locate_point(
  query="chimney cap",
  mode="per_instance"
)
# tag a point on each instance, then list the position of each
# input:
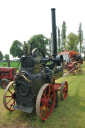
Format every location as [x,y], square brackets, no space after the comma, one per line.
[53,9]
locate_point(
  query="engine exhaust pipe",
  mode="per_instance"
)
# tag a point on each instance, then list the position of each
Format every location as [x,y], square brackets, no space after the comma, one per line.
[54,43]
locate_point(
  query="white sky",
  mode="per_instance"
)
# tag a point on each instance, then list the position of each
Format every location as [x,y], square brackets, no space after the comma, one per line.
[21,19]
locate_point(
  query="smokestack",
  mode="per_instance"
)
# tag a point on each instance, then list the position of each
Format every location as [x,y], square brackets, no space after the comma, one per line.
[54,33]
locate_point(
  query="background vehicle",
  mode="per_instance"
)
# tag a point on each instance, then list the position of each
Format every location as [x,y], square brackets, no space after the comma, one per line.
[6,74]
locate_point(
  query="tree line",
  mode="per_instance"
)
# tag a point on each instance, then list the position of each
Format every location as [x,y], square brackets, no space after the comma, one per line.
[69,42]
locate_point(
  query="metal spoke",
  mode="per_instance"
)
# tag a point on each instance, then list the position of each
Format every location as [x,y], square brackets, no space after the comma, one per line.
[9,101]
[10,91]
[8,96]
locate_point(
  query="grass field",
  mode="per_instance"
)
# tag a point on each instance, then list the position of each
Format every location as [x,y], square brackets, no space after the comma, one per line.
[69,113]
[12,64]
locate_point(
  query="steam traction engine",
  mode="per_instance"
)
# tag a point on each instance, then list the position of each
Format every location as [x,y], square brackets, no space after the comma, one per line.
[34,87]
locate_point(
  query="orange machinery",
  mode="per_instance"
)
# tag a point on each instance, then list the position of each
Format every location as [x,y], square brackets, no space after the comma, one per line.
[71,60]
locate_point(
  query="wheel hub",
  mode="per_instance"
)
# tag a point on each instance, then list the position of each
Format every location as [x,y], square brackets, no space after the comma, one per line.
[4,84]
[13,96]
[46,101]
[50,101]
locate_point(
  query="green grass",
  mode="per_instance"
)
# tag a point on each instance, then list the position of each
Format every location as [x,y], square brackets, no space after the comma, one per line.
[69,113]
[12,64]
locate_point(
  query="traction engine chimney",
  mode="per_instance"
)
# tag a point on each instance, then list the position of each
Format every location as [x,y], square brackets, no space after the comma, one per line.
[54,33]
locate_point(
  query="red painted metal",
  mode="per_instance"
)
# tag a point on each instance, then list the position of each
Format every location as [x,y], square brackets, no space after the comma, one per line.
[72,61]
[4,84]
[64,90]
[8,73]
[57,86]
[47,102]
[70,53]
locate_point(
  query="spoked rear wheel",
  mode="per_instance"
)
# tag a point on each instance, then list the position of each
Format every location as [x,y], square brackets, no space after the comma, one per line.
[45,101]
[64,90]
[9,97]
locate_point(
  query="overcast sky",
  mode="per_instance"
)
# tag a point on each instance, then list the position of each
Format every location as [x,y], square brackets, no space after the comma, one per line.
[21,19]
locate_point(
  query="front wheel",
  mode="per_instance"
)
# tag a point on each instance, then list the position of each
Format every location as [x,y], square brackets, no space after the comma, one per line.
[64,90]
[45,102]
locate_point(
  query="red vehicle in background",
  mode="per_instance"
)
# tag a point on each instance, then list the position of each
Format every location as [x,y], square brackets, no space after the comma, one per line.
[71,60]
[7,74]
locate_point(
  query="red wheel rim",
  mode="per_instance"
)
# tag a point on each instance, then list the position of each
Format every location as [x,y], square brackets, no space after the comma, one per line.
[4,84]
[9,97]
[64,90]
[46,101]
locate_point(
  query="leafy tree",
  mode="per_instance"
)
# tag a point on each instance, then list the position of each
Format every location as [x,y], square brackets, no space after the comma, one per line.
[1,56]
[6,56]
[72,42]
[39,41]
[63,33]
[80,35]
[16,49]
